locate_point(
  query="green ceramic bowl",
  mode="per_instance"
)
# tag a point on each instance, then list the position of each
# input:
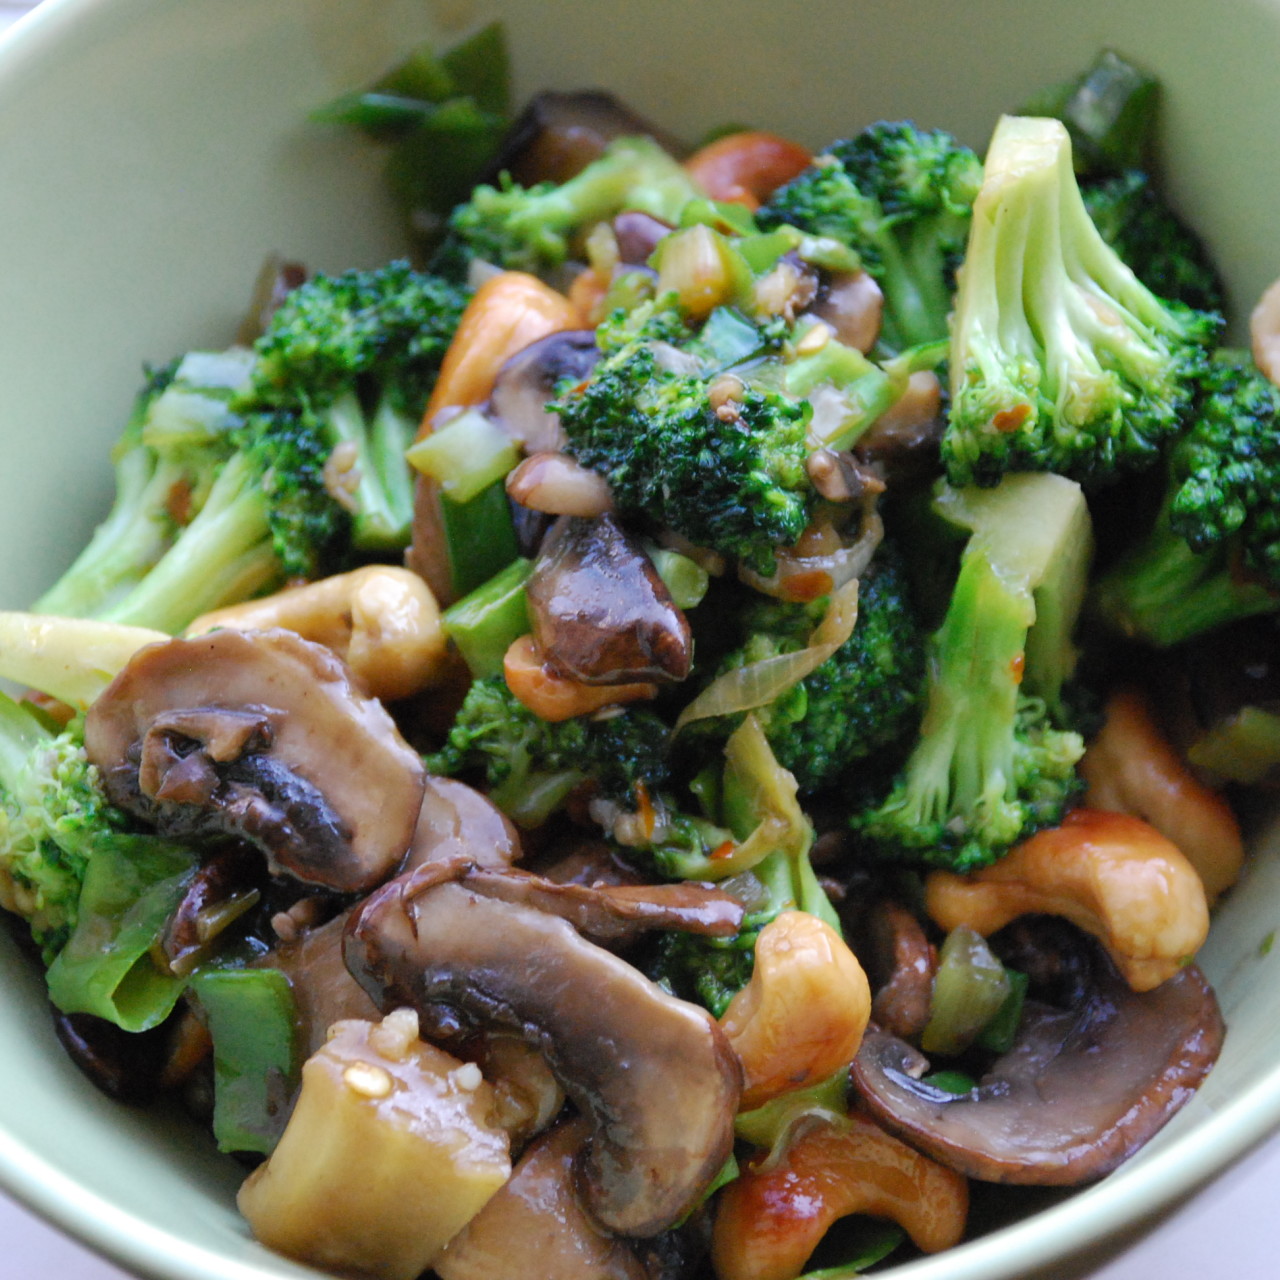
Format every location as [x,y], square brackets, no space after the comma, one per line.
[153,151]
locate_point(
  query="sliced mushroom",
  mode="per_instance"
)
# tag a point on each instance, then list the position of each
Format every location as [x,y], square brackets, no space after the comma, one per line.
[260,736]
[1078,1093]
[585,860]
[852,303]
[456,821]
[527,1096]
[528,381]
[534,1226]
[125,1065]
[655,1075]
[558,134]
[600,613]
[611,915]
[323,991]
[637,235]
[901,963]
[222,889]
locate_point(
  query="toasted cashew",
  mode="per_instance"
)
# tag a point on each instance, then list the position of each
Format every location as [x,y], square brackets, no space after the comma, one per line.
[1111,874]
[1130,768]
[508,312]
[769,1220]
[1264,332]
[383,621]
[747,167]
[802,1015]
[554,697]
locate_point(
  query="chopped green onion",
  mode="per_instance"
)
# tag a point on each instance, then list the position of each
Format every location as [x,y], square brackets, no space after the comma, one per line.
[485,623]
[466,455]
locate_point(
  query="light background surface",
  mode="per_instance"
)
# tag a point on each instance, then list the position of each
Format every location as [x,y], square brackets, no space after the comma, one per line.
[1224,1231]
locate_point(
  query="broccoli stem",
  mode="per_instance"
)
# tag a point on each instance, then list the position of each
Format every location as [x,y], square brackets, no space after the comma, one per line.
[964,761]
[135,534]
[225,554]
[1164,593]
[384,491]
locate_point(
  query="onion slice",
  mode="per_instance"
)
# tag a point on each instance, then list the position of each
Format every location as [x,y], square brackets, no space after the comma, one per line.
[759,683]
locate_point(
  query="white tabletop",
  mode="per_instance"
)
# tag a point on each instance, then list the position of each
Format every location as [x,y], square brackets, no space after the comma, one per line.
[1224,1230]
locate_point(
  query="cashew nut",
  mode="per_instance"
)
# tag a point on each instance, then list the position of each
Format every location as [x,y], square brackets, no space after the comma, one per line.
[383,621]
[1264,331]
[770,1220]
[1130,768]
[1111,874]
[554,697]
[802,1015]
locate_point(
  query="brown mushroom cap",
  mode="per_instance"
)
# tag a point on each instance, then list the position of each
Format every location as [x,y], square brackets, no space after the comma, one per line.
[456,821]
[611,915]
[528,380]
[558,134]
[901,963]
[655,1075]
[1078,1093]
[534,1226]
[600,612]
[262,736]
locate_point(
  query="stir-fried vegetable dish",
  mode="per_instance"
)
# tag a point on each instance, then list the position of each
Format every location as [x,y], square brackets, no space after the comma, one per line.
[676,731]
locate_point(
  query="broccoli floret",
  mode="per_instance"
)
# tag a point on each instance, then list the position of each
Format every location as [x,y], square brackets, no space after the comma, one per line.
[165,462]
[1213,554]
[862,700]
[530,765]
[345,367]
[52,812]
[901,197]
[1061,360]
[1165,254]
[989,766]
[731,478]
[530,229]
[268,517]
[356,357]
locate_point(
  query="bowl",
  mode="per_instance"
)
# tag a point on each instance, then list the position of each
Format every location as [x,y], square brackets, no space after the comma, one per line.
[153,151]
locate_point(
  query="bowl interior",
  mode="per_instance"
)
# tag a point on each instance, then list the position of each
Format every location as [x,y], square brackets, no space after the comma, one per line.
[155,150]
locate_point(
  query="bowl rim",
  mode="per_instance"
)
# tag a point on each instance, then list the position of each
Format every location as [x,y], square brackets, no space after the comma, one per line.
[1124,1200]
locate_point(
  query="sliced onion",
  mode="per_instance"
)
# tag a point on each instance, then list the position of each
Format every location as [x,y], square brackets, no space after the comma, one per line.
[801,578]
[759,683]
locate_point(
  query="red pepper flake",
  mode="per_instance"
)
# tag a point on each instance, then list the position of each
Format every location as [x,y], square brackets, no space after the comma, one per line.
[178,502]
[1011,419]
[722,851]
[644,806]
[1017,667]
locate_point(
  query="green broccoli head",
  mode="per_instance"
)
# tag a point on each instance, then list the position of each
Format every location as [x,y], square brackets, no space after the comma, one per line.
[729,477]
[990,765]
[356,356]
[286,455]
[52,811]
[1213,553]
[1061,360]
[379,332]
[989,768]
[530,765]
[268,516]
[1165,254]
[861,701]
[900,196]
[530,229]
[706,971]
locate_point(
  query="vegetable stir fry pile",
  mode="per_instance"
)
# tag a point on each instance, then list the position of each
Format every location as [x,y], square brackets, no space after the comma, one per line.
[626,750]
